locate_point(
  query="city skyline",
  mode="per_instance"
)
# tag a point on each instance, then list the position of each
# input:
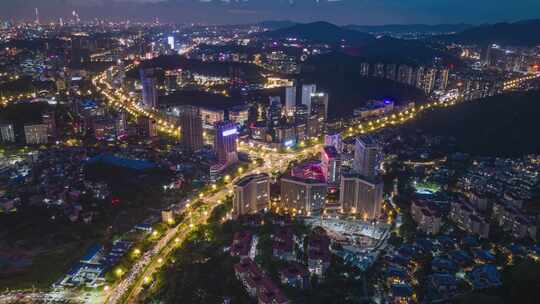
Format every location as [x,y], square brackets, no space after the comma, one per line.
[369,12]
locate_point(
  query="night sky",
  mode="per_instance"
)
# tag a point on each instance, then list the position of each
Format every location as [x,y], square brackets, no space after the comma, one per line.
[244,11]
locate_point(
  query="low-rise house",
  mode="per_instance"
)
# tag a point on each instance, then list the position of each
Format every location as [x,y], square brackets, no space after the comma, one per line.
[484,276]
[295,275]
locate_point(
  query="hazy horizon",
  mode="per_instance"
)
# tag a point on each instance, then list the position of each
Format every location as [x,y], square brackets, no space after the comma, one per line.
[361,12]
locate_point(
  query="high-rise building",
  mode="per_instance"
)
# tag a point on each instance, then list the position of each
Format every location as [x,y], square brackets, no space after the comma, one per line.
[251,194]
[190,127]
[301,114]
[362,196]
[285,134]
[331,164]
[441,82]
[146,127]
[391,71]
[315,126]
[307,91]
[366,156]
[170,42]
[306,196]
[319,105]
[364,69]
[334,140]
[379,70]
[149,88]
[36,134]
[80,53]
[273,115]
[427,79]
[405,74]
[49,119]
[121,125]
[7,133]
[225,142]
[290,100]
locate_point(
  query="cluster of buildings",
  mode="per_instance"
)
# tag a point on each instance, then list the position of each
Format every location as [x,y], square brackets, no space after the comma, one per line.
[38,133]
[457,265]
[301,117]
[298,258]
[325,186]
[503,190]
[427,79]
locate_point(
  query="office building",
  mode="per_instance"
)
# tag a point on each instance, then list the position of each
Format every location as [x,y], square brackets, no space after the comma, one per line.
[285,134]
[361,196]
[36,134]
[307,91]
[273,114]
[331,164]
[7,133]
[305,196]
[149,88]
[366,156]
[315,126]
[190,127]
[225,142]
[251,194]
[319,105]
[301,114]
[290,100]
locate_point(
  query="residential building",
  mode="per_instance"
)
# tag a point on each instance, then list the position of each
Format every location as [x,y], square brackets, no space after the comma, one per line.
[149,88]
[362,196]
[190,127]
[7,133]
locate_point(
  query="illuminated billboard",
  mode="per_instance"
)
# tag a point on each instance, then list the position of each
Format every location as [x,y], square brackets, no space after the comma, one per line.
[229,132]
